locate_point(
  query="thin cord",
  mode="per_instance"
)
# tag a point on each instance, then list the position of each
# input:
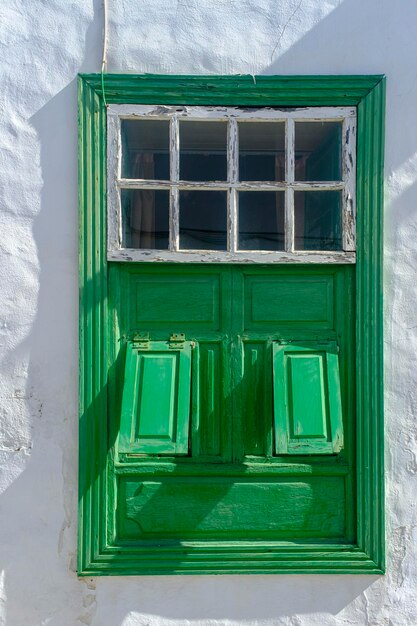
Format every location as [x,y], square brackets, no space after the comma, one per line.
[105,39]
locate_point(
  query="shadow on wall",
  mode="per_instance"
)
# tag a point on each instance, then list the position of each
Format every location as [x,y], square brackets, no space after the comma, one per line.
[40,583]
[40,534]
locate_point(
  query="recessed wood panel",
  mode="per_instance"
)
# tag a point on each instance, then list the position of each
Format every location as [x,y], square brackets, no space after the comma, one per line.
[211,405]
[212,507]
[158,393]
[175,300]
[289,299]
[257,400]
[307,398]
[155,409]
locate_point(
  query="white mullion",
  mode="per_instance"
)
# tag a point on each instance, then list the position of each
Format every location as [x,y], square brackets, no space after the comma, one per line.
[349,178]
[289,177]
[174,159]
[114,155]
[242,256]
[240,186]
[232,177]
[139,183]
[145,183]
[219,113]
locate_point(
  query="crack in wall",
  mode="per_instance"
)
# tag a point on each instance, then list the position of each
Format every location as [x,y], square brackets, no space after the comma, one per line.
[282,33]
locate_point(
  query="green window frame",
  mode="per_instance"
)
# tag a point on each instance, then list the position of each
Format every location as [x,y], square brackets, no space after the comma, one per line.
[99,550]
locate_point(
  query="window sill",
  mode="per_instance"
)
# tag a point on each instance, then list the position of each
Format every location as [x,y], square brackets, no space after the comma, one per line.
[210,256]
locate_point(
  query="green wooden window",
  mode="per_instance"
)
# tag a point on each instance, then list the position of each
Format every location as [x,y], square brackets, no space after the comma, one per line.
[307,401]
[155,413]
[231,411]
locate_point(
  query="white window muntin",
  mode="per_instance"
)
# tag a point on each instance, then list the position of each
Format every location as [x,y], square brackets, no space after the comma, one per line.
[234,116]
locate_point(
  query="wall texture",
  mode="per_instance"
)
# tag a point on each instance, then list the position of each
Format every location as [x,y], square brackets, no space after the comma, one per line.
[43,45]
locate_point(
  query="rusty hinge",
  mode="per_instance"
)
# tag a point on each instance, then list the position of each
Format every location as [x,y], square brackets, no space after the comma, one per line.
[140,340]
[176,341]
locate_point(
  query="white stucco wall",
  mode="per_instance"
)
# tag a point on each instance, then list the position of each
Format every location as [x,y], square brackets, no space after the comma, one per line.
[43,45]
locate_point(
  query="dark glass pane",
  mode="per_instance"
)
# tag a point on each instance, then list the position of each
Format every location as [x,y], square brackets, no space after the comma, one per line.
[262,151]
[318,220]
[145,149]
[318,151]
[261,220]
[203,219]
[203,151]
[145,219]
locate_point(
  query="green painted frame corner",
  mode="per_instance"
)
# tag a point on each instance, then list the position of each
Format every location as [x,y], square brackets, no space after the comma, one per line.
[99,552]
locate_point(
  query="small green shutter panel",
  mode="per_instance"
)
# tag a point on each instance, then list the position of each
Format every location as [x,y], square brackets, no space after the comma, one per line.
[307,401]
[155,411]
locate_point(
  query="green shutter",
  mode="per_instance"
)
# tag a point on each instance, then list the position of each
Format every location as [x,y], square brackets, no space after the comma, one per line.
[307,402]
[156,398]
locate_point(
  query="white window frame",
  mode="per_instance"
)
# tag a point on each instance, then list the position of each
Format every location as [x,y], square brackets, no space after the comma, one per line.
[232,115]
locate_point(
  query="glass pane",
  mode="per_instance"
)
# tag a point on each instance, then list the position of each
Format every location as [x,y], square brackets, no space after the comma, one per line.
[145,149]
[145,219]
[318,220]
[203,151]
[318,151]
[262,151]
[203,219]
[261,220]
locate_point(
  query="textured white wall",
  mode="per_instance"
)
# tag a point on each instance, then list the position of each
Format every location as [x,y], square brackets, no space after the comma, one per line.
[43,44]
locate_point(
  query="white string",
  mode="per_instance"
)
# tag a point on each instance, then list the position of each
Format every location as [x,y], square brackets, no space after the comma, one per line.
[105,41]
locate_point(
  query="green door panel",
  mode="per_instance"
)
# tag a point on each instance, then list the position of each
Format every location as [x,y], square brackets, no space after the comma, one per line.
[307,399]
[219,508]
[175,299]
[288,298]
[155,416]
[210,403]
[253,328]
[257,400]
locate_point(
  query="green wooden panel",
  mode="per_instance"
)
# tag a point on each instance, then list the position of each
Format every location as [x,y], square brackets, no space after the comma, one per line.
[257,400]
[289,299]
[220,508]
[241,90]
[174,299]
[211,415]
[155,416]
[307,399]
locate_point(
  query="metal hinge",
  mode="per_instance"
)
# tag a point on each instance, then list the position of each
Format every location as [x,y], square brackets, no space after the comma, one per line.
[140,340]
[176,341]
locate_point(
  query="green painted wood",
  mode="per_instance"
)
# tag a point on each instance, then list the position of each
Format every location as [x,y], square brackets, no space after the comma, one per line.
[216,508]
[361,550]
[243,90]
[227,295]
[256,400]
[369,328]
[194,300]
[155,415]
[93,325]
[210,405]
[307,400]
[270,298]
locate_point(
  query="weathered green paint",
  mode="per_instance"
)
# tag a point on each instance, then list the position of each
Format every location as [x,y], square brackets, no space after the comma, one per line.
[307,401]
[354,544]
[242,90]
[155,415]
[214,508]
